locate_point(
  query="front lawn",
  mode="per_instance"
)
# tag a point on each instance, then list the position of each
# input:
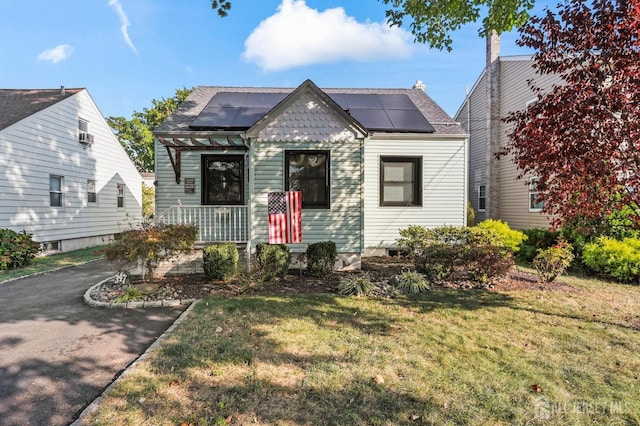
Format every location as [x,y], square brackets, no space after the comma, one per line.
[54,261]
[568,355]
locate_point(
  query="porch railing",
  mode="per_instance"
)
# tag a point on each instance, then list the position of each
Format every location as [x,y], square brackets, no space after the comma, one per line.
[214,223]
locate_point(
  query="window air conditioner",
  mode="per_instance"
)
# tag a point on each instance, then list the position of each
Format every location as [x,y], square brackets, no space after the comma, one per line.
[85,138]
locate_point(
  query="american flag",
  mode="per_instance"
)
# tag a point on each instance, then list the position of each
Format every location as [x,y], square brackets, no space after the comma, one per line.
[285,217]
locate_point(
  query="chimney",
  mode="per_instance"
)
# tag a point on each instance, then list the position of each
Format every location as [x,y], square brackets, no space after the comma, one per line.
[492,75]
[62,91]
[420,85]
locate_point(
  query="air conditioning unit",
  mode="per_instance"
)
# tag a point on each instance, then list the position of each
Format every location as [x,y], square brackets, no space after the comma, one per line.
[85,138]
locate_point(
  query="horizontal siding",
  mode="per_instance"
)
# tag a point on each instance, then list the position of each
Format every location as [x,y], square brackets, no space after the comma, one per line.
[444,195]
[342,222]
[514,194]
[46,143]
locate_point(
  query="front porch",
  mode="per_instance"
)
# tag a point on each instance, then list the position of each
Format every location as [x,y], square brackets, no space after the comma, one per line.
[215,224]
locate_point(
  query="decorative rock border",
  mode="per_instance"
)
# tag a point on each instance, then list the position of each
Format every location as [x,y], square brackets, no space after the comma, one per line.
[131,305]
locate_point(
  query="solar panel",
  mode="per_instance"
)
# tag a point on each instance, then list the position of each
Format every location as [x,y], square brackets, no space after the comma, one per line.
[381,112]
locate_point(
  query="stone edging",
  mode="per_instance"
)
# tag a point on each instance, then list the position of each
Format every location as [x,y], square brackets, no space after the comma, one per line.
[132,305]
[93,406]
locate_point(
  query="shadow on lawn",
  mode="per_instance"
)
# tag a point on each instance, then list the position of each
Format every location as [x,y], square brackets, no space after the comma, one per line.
[252,334]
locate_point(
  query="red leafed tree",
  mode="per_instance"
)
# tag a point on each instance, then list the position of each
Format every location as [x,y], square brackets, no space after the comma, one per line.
[581,139]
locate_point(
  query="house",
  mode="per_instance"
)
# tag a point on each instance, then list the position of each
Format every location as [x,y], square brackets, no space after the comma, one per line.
[368,162]
[493,189]
[64,177]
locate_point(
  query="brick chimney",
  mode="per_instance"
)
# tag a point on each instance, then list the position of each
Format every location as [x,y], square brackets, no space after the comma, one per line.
[492,75]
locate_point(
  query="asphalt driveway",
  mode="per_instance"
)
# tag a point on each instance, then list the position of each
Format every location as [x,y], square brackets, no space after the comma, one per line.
[56,353]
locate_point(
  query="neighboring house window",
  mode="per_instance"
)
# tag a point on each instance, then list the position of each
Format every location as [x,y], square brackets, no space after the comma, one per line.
[309,172]
[400,181]
[55,191]
[535,205]
[482,198]
[222,179]
[120,195]
[83,125]
[91,191]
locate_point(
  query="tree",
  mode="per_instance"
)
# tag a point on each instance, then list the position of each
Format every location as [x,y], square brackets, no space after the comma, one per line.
[581,139]
[432,21]
[135,134]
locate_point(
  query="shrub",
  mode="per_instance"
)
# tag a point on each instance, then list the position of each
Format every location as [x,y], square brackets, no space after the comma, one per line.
[220,261]
[130,294]
[537,239]
[320,258]
[471,215]
[553,261]
[358,286]
[149,245]
[413,283]
[468,253]
[510,237]
[272,260]
[617,259]
[16,249]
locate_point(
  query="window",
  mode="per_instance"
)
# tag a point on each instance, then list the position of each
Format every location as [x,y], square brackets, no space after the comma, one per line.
[482,198]
[400,181]
[535,205]
[91,191]
[308,171]
[120,196]
[55,191]
[83,125]
[222,179]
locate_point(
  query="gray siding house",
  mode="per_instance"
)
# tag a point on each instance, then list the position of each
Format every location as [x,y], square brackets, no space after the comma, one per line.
[368,162]
[493,189]
[64,177]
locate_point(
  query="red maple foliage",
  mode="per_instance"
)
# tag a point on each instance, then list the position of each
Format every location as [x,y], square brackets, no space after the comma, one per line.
[582,138]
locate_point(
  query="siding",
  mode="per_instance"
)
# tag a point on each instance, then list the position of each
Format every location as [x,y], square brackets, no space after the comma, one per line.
[309,124]
[473,117]
[514,94]
[45,144]
[444,179]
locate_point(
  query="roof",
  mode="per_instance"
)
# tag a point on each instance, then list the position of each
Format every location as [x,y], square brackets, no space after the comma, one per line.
[189,111]
[17,104]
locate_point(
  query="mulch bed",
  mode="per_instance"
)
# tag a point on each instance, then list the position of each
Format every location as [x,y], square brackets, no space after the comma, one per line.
[378,269]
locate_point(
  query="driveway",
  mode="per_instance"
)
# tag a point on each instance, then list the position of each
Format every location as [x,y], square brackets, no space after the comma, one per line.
[56,353]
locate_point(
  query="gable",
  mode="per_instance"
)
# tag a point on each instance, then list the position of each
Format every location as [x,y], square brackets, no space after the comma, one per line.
[306,118]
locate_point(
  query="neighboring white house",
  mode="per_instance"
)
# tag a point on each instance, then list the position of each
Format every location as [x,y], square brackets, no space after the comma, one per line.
[64,177]
[493,189]
[369,162]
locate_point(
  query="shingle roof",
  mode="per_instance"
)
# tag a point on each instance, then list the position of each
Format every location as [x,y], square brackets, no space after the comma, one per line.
[191,107]
[17,104]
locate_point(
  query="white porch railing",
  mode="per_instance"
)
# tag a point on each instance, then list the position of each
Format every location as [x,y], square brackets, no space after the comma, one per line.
[214,223]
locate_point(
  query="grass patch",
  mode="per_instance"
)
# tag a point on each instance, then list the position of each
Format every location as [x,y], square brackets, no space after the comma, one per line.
[47,263]
[443,357]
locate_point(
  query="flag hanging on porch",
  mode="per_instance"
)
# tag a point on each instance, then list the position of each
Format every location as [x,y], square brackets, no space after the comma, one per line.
[285,217]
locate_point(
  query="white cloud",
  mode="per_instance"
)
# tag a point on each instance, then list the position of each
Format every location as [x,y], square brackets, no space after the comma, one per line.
[124,20]
[56,54]
[297,35]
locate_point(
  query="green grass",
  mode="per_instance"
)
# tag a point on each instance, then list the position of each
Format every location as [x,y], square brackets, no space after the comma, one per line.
[47,263]
[567,356]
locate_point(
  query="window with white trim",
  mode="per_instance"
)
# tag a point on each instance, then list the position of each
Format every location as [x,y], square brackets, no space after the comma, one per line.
[120,194]
[535,204]
[92,196]
[482,198]
[55,190]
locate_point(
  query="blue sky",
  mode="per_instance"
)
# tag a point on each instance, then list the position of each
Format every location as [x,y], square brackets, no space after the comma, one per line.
[128,52]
